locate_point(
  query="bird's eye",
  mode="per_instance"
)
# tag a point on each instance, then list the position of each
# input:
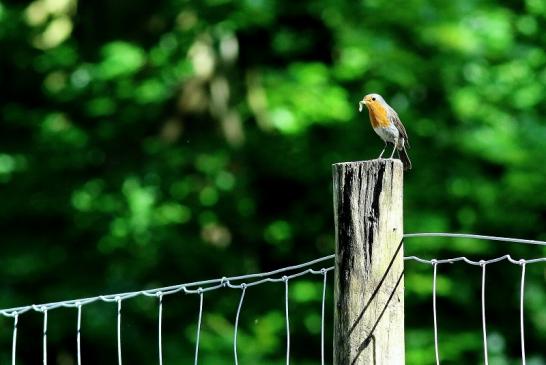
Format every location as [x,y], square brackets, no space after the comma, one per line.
[373,99]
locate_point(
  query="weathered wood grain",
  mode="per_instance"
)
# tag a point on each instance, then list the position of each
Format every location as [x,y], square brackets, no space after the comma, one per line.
[369,276]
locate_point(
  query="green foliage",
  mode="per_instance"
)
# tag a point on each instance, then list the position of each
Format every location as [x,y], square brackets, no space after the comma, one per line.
[149,143]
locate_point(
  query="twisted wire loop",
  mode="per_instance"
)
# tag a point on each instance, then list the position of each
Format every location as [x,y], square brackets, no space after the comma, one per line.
[484,327]
[14,340]
[521,310]
[285,279]
[159,329]
[78,334]
[200,291]
[118,299]
[436,351]
[325,273]
[237,324]
[45,338]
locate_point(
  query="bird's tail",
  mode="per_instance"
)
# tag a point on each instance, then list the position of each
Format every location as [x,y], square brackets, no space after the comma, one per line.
[405,159]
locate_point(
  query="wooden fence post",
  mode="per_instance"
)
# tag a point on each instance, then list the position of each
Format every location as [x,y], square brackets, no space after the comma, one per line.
[369,275]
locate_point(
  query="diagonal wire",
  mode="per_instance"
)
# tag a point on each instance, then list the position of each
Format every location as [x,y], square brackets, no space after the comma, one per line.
[119,331]
[44,342]
[237,324]
[322,317]
[198,325]
[285,278]
[14,340]
[521,310]
[159,329]
[484,327]
[436,351]
[78,335]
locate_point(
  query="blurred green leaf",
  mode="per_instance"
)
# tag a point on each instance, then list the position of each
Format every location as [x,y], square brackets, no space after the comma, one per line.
[120,59]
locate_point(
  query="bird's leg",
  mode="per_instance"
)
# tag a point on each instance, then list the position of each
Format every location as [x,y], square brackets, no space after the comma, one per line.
[384,148]
[394,149]
[398,151]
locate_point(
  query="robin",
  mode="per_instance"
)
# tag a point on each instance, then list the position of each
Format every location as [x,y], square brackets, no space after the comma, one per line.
[387,125]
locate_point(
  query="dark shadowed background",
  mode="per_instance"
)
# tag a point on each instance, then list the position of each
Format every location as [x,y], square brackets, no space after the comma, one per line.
[149,143]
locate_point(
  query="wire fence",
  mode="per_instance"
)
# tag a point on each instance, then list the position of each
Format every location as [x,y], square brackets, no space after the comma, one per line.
[319,267]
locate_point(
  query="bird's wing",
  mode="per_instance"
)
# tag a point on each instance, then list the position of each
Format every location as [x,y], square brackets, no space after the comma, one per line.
[393,116]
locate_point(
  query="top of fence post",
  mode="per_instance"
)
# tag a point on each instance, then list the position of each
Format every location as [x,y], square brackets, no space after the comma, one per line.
[369,285]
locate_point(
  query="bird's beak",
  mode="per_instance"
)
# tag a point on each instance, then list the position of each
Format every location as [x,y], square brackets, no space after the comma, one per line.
[361,105]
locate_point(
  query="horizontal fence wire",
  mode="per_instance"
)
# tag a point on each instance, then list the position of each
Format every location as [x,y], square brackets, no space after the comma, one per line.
[198,287]
[476,236]
[188,288]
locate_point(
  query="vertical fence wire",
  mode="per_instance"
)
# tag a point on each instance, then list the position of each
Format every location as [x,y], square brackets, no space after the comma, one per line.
[159,328]
[436,351]
[325,273]
[285,279]
[200,291]
[14,339]
[484,326]
[119,330]
[521,310]
[237,324]
[44,340]
[78,334]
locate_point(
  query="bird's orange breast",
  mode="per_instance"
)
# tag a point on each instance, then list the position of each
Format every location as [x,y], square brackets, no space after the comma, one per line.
[378,116]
